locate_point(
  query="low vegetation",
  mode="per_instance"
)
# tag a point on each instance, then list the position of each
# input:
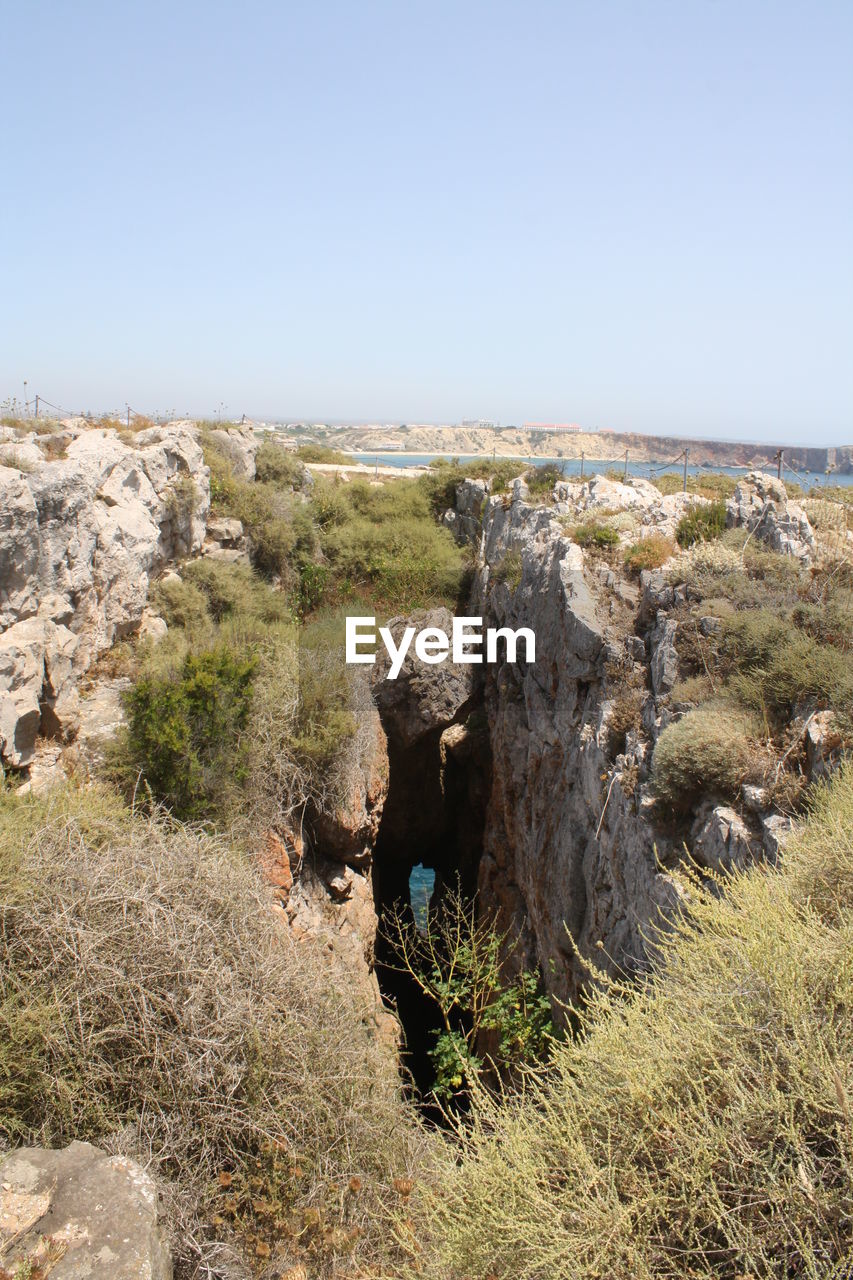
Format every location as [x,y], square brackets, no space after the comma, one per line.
[650,552]
[490,1029]
[595,535]
[699,1126]
[708,751]
[711,484]
[150,1003]
[701,523]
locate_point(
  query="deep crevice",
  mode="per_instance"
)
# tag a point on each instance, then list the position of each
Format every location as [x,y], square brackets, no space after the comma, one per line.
[434,816]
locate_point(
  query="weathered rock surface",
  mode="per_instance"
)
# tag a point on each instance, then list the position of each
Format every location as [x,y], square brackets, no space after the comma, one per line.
[348,833]
[721,840]
[240,445]
[80,537]
[96,1215]
[760,503]
[424,698]
[575,851]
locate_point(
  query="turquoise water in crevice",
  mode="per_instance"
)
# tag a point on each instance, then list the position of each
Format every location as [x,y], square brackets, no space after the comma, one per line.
[421,885]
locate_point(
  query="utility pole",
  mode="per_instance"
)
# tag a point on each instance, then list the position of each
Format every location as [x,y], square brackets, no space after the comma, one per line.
[37,406]
[582,457]
[625,475]
[128,417]
[686,456]
[779,453]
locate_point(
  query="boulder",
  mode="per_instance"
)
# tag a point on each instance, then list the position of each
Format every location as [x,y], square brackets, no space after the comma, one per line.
[760,503]
[87,1215]
[721,840]
[239,445]
[425,697]
[225,531]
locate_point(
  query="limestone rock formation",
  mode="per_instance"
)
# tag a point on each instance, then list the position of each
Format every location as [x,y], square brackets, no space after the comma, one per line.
[82,1215]
[240,445]
[424,697]
[81,532]
[760,503]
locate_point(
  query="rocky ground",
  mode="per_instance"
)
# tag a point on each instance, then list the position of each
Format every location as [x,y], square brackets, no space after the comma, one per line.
[511,776]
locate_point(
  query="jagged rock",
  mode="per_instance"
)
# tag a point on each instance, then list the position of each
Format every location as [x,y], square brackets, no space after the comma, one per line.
[760,503]
[276,859]
[425,697]
[19,549]
[664,660]
[775,828]
[823,742]
[465,518]
[100,1211]
[349,833]
[721,839]
[21,681]
[340,883]
[240,445]
[80,536]
[60,701]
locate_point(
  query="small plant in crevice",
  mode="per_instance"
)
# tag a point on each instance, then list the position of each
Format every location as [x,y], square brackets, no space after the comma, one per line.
[491,1027]
[508,570]
[595,536]
[701,524]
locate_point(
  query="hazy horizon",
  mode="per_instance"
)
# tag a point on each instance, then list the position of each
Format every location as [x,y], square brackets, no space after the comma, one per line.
[634,217]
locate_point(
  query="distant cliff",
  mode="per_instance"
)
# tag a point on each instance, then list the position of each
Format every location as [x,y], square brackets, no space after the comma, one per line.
[597,445]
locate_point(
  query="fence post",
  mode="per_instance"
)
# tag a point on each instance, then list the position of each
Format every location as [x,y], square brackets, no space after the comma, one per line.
[37,406]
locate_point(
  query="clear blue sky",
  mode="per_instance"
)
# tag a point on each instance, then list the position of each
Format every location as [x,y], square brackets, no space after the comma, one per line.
[626,213]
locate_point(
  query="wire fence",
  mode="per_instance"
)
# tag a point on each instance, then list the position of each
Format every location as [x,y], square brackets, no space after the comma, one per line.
[33,410]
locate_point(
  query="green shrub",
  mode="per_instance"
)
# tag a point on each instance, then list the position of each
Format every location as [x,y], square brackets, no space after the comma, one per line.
[595,535]
[182,499]
[541,480]
[773,665]
[708,751]
[233,589]
[182,604]
[185,729]
[389,548]
[649,553]
[321,453]
[707,484]
[151,1002]
[441,481]
[278,466]
[700,1126]
[701,524]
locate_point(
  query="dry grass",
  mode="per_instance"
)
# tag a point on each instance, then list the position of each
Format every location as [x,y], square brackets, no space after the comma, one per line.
[701,1127]
[150,1002]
